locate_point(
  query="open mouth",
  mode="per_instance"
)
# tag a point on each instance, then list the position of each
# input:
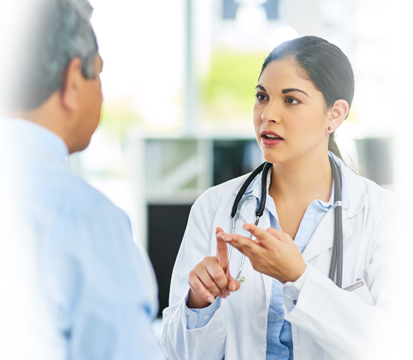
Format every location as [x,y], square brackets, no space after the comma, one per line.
[271,135]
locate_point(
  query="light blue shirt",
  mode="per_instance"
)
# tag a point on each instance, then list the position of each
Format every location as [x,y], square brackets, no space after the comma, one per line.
[81,287]
[279,336]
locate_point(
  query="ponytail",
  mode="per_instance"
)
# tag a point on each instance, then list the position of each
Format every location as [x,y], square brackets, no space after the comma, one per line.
[332,146]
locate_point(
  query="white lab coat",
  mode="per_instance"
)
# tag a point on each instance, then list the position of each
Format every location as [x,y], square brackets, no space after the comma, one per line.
[327,322]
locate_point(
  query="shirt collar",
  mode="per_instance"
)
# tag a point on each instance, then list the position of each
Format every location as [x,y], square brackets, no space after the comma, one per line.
[31,135]
[255,187]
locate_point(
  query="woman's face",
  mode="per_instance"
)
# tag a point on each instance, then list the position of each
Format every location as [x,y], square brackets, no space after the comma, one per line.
[290,114]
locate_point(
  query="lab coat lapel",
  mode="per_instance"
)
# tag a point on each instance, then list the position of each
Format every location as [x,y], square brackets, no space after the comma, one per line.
[248,212]
[248,215]
[323,237]
[265,224]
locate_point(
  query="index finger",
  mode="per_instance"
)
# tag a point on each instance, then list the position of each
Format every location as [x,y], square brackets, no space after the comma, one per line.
[222,250]
[263,236]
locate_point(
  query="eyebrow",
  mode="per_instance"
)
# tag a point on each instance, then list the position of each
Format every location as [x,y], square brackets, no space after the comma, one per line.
[284,91]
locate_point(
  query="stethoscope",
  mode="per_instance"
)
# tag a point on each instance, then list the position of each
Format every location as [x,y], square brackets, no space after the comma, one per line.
[336,266]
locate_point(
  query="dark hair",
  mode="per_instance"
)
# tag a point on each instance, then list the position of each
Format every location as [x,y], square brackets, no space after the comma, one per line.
[54,32]
[325,65]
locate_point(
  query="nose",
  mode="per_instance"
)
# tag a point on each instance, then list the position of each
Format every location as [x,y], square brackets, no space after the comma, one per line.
[271,113]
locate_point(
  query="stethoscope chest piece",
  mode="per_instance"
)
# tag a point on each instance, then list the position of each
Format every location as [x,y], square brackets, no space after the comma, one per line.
[240,279]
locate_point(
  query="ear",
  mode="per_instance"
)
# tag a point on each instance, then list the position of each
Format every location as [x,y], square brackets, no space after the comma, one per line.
[72,83]
[337,114]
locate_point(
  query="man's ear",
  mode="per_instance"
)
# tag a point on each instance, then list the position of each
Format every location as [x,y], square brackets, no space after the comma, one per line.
[72,82]
[338,113]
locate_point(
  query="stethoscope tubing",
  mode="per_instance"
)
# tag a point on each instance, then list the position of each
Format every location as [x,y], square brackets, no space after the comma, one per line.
[336,265]
[236,208]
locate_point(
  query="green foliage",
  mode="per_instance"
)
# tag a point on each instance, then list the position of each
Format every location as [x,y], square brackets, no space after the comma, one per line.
[231,81]
[117,120]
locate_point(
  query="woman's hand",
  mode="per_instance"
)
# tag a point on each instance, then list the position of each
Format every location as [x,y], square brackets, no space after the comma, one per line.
[273,253]
[211,278]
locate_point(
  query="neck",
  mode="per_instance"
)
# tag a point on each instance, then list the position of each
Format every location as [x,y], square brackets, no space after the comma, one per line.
[302,180]
[48,115]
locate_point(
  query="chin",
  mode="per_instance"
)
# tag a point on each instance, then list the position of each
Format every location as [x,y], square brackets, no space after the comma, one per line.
[79,147]
[274,157]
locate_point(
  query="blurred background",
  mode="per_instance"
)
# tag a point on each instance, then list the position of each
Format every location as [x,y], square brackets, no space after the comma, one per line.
[178,83]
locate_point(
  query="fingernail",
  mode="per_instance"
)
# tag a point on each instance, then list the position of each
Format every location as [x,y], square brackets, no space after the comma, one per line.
[226,238]
[246,227]
[210,299]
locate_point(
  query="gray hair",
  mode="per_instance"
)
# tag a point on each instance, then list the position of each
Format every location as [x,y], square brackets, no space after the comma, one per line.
[61,30]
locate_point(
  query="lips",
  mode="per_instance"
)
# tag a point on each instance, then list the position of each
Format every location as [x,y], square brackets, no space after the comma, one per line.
[271,138]
[271,135]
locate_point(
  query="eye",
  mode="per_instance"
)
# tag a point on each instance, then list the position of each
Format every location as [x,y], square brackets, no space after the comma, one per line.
[292,101]
[261,97]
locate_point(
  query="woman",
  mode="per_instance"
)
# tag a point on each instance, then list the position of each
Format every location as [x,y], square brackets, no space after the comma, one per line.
[288,307]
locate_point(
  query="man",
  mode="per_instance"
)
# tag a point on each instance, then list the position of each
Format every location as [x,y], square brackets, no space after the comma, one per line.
[73,283]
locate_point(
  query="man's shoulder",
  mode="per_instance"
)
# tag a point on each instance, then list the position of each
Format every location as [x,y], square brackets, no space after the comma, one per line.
[85,199]
[72,196]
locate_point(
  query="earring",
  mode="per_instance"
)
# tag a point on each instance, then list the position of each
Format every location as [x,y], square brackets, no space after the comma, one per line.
[329,128]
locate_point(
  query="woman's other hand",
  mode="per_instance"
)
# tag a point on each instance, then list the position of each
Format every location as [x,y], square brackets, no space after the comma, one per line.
[211,278]
[273,253]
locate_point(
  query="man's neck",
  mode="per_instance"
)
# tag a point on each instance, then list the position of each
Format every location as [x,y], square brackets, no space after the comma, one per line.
[47,115]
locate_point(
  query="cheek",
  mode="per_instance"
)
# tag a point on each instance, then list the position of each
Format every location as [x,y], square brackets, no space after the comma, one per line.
[308,130]
[100,101]
[99,91]
[257,117]
[257,128]
[98,98]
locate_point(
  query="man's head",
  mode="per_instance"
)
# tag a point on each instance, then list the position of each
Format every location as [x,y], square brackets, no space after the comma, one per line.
[53,75]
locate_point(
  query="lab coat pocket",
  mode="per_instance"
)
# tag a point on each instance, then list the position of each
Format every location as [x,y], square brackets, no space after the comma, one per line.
[360,288]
